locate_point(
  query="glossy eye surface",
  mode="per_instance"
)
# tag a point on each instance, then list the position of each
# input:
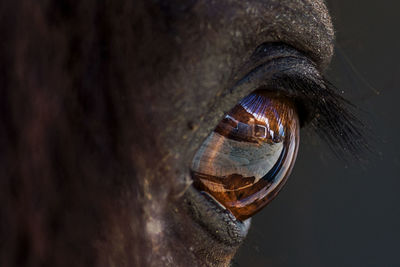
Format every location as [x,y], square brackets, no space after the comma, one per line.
[248,157]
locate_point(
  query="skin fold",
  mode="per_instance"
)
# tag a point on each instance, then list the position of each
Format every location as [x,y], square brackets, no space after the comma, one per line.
[103,105]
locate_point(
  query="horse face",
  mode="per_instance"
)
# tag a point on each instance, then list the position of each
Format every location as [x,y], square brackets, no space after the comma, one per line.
[104,107]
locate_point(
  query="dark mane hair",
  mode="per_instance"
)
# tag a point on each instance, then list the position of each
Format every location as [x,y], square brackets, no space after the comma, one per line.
[64,119]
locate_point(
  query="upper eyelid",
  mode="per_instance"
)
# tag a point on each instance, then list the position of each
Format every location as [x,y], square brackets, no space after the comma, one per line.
[266,62]
[267,75]
[268,52]
[271,59]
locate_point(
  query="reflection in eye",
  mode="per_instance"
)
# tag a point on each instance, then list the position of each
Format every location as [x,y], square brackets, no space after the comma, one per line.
[246,160]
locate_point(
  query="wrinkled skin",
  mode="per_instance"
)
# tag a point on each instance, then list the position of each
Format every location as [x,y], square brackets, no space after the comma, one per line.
[103,106]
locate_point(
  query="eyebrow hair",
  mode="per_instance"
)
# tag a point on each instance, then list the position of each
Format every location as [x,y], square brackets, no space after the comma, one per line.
[287,72]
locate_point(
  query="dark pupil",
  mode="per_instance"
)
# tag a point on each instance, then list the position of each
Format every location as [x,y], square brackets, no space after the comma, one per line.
[246,159]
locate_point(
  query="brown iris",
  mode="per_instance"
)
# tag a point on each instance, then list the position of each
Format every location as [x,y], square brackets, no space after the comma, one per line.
[246,160]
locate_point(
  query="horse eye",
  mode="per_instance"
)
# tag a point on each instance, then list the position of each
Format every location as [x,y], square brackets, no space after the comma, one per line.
[248,157]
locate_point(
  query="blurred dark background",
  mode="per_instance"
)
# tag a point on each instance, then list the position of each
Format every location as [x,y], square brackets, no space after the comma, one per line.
[332,212]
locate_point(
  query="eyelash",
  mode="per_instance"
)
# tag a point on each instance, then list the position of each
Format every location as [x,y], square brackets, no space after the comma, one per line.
[333,118]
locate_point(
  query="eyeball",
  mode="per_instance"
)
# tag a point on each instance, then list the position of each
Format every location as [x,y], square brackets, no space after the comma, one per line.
[248,157]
